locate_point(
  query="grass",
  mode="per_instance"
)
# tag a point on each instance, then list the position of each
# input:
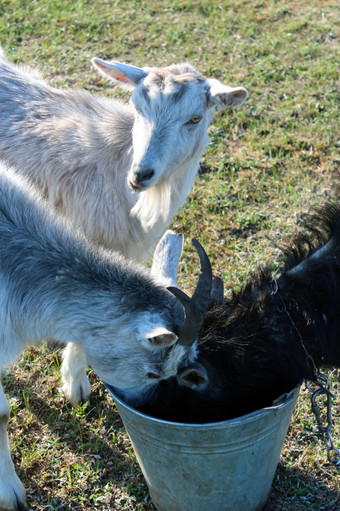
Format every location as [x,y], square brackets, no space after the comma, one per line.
[267,163]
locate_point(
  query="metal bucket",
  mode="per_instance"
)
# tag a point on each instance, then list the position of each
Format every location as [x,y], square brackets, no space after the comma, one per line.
[221,466]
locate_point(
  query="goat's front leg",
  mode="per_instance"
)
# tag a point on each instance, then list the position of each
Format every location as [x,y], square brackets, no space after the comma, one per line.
[12,492]
[76,385]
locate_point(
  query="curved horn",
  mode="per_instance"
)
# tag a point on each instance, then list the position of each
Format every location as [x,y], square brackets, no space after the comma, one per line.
[195,307]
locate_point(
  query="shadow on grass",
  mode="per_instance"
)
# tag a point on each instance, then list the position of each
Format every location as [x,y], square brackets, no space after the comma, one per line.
[295,489]
[66,456]
[63,419]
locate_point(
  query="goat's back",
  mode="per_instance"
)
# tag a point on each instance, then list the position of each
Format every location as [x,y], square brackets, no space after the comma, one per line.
[75,147]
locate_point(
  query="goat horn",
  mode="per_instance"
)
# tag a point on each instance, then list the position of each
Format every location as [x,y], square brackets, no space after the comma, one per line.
[196,306]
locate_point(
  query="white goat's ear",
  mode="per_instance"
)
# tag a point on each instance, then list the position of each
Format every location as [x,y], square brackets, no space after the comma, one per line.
[223,96]
[127,76]
[160,337]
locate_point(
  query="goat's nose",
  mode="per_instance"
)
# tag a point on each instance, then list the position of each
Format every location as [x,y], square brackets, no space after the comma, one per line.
[144,175]
[140,178]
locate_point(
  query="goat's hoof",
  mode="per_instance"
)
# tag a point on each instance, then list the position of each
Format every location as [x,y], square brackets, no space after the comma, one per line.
[21,506]
[18,506]
[12,494]
[77,391]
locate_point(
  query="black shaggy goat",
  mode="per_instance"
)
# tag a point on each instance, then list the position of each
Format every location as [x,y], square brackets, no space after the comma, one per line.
[264,340]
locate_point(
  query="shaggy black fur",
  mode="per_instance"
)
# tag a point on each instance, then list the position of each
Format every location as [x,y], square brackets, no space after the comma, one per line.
[248,345]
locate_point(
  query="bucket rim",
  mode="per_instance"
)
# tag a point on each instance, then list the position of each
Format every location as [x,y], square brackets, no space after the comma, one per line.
[281,402]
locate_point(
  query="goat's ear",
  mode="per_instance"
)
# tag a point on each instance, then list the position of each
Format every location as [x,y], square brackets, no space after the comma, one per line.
[160,337]
[193,378]
[223,96]
[127,76]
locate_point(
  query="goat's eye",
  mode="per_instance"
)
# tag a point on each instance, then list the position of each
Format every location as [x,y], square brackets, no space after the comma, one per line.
[195,119]
[153,376]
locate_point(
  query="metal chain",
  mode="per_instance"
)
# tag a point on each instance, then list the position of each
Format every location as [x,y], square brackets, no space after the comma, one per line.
[323,388]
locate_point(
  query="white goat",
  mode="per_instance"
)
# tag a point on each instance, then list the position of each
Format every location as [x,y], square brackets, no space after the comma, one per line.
[90,155]
[54,284]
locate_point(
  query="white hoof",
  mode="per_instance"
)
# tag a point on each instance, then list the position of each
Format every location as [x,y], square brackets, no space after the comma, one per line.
[78,390]
[12,493]
[76,385]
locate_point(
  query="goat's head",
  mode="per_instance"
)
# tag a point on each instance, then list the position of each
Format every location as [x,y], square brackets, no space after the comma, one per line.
[157,340]
[173,109]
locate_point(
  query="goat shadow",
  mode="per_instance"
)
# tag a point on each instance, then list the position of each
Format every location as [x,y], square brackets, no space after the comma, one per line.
[60,418]
[76,436]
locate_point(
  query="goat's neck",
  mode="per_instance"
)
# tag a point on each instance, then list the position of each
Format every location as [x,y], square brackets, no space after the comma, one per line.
[312,289]
[156,207]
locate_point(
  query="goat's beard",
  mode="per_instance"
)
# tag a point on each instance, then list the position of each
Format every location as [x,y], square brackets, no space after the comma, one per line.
[154,205]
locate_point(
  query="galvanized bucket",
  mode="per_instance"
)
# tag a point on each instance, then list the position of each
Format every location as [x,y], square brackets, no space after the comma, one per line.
[221,466]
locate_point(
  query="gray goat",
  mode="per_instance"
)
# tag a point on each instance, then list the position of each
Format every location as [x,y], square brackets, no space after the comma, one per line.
[55,284]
